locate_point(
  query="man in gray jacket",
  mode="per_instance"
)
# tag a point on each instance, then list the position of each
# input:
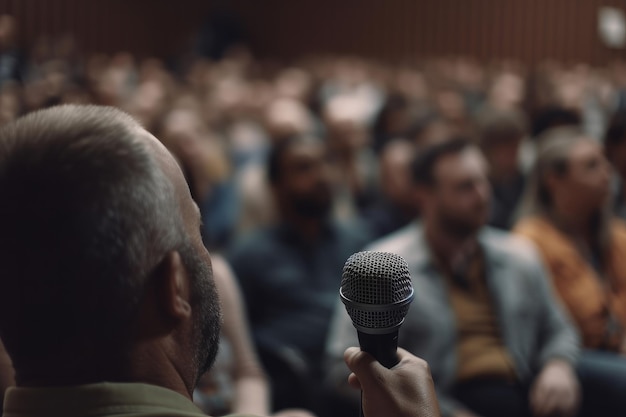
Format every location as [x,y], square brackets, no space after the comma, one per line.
[484,316]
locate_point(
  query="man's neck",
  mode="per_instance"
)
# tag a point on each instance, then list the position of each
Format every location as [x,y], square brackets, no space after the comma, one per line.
[149,367]
[306,227]
[449,248]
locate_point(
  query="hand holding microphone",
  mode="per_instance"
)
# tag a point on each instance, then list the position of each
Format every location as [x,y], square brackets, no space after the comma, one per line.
[376,290]
[407,390]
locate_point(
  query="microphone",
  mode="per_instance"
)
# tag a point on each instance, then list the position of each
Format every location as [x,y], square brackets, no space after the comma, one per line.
[377,292]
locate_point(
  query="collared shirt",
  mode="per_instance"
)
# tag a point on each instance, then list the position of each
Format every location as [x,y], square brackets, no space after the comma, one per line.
[101,400]
[480,348]
[533,327]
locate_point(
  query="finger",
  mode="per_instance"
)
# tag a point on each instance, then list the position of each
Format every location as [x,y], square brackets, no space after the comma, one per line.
[416,364]
[538,397]
[570,404]
[353,381]
[404,354]
[550,404]
[368,371]
[534,398]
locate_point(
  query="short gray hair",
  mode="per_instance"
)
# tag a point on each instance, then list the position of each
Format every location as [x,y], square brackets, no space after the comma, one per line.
[86,215]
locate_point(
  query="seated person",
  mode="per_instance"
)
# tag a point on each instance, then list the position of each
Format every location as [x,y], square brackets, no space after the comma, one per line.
[290,272]
[395,207]
[501,134]
[237,381]
[107,302]
[615,151]
[566,214]
[483,315]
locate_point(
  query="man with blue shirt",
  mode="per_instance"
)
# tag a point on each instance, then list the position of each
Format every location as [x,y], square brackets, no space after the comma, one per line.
[290,272]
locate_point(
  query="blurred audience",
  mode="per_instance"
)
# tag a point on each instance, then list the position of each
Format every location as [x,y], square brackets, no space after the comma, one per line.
[615,151]
[223,114]
[493,349]
[289,270]
[11,60]
[236,382]
[395,206]
[566,214]
[501,133]
[206,167]
[122,316]
[348,139]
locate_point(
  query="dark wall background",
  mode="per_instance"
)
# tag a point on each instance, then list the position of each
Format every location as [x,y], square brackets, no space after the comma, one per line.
[145,27]
[398,29]
[390,29]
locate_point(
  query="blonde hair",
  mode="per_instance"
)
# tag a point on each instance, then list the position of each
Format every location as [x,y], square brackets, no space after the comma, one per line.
[553,152]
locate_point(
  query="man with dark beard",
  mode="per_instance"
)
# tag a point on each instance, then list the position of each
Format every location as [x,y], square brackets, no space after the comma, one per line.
[290,272]
[107,302]
[483,315]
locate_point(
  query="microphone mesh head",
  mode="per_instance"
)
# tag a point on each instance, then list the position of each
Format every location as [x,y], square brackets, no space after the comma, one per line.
[376,289]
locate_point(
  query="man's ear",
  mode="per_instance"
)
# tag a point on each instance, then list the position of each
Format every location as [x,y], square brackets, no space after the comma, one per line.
[173,287]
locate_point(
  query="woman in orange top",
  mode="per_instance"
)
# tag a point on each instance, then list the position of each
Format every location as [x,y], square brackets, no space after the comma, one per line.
[565,212]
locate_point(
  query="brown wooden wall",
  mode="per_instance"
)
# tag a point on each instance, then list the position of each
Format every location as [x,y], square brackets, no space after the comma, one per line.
[146,27]
[390,29]
[398,29]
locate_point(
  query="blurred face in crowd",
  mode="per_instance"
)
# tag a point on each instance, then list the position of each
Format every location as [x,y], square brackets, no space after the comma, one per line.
[346,137]
[182,134]
[435,131]
[617,155]
[7,31]
[503,158]
[395,173]
[586,182]
[507,91]
[450,104]
[458,201]
[305,183]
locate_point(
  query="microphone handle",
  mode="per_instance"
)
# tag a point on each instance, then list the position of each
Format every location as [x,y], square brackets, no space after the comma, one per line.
[383,347]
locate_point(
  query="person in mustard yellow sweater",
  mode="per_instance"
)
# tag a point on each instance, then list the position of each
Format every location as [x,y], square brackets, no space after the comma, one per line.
[566,214]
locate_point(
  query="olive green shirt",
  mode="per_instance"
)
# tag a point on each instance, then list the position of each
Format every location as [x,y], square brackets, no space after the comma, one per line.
[102,400]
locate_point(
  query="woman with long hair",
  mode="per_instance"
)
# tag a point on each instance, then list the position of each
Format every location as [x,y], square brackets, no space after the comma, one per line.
[566,213]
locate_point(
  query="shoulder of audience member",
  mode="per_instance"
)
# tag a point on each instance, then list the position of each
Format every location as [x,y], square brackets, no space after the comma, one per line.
[249,246]
[510,247]
[399,241]
[531,226]
[358,231]
[618,227]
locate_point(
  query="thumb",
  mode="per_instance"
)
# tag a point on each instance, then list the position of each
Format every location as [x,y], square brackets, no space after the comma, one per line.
[368,370]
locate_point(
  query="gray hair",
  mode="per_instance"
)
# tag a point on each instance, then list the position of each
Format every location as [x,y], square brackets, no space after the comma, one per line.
[86,215]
